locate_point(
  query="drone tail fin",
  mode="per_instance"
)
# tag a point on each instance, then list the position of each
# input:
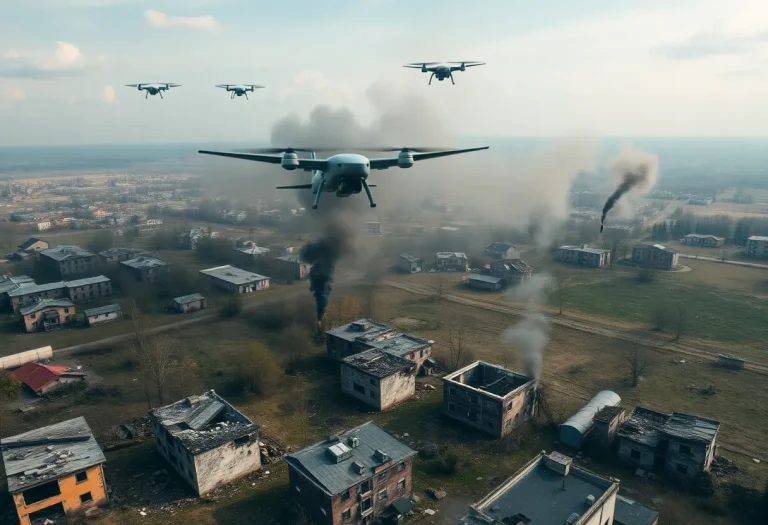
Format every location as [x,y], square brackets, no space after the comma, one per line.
[296,187]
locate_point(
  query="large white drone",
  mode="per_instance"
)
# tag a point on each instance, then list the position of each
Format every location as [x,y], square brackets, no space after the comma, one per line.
[443,70]
[240,89]
[154,89]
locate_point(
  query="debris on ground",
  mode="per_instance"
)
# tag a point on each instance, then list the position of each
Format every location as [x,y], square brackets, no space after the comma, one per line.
[430,512]
[438,494]
[271,449]
[723,466]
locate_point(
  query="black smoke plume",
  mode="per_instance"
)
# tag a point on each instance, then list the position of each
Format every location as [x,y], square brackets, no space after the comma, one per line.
[323,254]
[637,170]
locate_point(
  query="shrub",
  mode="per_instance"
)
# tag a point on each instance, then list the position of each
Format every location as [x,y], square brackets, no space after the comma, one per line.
[232,307]
[258,369]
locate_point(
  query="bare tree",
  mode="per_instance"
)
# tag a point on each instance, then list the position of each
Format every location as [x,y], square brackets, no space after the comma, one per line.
[459,353]
[155,356]
[636,363]
[439,287]
[659,313]
[723,255]
[681,319]
[560,284]
[139,348]
[342,310]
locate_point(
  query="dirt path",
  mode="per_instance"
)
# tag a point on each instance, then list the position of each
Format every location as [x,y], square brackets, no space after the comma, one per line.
[736,263]
[583,325]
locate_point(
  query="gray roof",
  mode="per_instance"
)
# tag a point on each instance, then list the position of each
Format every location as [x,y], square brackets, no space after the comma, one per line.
[450,255]
[485,278]
[204,422]
[334,478]
[499,247]
[48,453]
[758,238]
[108,309]
[536,492]
[46,303]
[361,329]
[87,281]
[692,428]
[253,250]
[410,258]
[113,252]
[518,265]
[631,512]
[581,422]
[608,413]
[36,288]
[186,299]
[656,247]
[643,426]
[378,364]
[11,283]
[702,236]
[65,252]
[584,249]
[145,261]
[291,258]
[233,275]
[401,344]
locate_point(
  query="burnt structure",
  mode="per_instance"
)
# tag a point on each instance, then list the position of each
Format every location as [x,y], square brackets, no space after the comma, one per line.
[206,440]
[354,477]
[489,398]
[378,379]
[678,445]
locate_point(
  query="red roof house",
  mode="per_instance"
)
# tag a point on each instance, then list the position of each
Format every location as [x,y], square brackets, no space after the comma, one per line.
[44,378]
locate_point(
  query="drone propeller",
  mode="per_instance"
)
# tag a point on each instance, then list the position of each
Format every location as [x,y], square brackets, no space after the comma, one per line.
[413,150]
[288,150]
[421,64]
[256,86]
[170,84]
[469,63]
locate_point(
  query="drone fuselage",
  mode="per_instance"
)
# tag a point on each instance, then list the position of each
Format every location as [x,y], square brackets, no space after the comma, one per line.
[442,72]
[344,175]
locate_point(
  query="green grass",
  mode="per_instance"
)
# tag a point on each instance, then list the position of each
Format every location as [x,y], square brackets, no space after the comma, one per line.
[710,314]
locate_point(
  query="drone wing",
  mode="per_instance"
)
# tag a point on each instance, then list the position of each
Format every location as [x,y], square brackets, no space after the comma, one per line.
[382,164]
[304,164]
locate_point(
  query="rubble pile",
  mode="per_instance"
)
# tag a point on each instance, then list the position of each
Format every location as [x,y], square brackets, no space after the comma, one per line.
[271,450]
[723,466]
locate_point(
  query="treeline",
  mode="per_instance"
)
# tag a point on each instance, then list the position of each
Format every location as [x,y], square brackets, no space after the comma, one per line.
[735,231]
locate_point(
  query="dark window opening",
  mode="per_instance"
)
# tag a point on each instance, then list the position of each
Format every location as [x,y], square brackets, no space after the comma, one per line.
[366,486]
[41,492]
[451,407]
[372,381]
[81,476]
[85,498]
[372,394]
[401,467]
[53,512]
[346,515]
[634,454]
[365,505]
[685,450]
[682,469]
[346,495]
[383,476]
[358,388]
[243,440]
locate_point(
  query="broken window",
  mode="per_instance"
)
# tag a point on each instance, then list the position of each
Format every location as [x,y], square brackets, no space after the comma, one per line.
[372,381]
[401,467]
[451,407]
[85,498]
[366,486]
[383,495]
[346,515]
[685,450]
[372,394]
[81,476]
[365,505]
[358,388]
[401,484]
[682,469]
[383,476]
[244,440]
[41,492]
[473,400]
[452,391]
[634,454]
[346,495]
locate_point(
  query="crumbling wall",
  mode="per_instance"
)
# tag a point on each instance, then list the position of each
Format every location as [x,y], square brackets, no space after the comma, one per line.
[396,388]
[519,407]
[227,463]
[679,459]
[647,454]
[370,385]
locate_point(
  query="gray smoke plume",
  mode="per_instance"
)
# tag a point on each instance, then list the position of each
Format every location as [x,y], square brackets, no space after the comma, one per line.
[637,171]
[323,254]
[530,336]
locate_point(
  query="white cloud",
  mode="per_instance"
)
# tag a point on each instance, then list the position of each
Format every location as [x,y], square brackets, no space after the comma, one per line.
[65,60]
[108,95]
[14,93]
[160,20]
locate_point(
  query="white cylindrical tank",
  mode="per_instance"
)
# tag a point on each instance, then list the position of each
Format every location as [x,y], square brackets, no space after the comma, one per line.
[16,360]
[572,432]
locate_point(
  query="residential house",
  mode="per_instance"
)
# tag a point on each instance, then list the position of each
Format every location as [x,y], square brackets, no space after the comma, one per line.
[410,347]
[119,254]
[207,441]
[48,314]
[485,282]
[584,256]
[676,444]
[103,314]
[89,288]
[607,423]
[511,271]
[10,283]
[54,471]
[378,379]
[33,245]
[248,252]
[354,477]
[148,268]
[489,398]
[235,280]
[655,256]
[451,261]
[77,290]
[548,490]
[291,266]
[757,247]
[189,303]
[502,250]
[43,226]
[709,241]
[410,263]
[42,379]
[68,259]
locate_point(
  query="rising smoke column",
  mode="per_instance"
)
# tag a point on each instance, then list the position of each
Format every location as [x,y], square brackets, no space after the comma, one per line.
[323,254]
[531,335]
[637,170]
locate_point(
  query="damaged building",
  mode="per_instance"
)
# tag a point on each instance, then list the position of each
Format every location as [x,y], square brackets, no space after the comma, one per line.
[355,477]
[364,334]
[54,471]
[575,431]
[489,398]
[678,445]
[511,271]
[43,379]
[551,490]
[206,440]
[378,379]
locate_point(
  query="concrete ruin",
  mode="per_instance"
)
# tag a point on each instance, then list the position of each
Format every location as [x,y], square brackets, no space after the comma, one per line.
[378,379]
[206,440]
[489,398]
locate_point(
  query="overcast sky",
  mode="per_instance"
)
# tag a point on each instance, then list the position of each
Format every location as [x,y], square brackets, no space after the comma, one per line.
[555,67]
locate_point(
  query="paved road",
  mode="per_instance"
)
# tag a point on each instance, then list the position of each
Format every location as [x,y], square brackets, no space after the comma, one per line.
[736,263]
